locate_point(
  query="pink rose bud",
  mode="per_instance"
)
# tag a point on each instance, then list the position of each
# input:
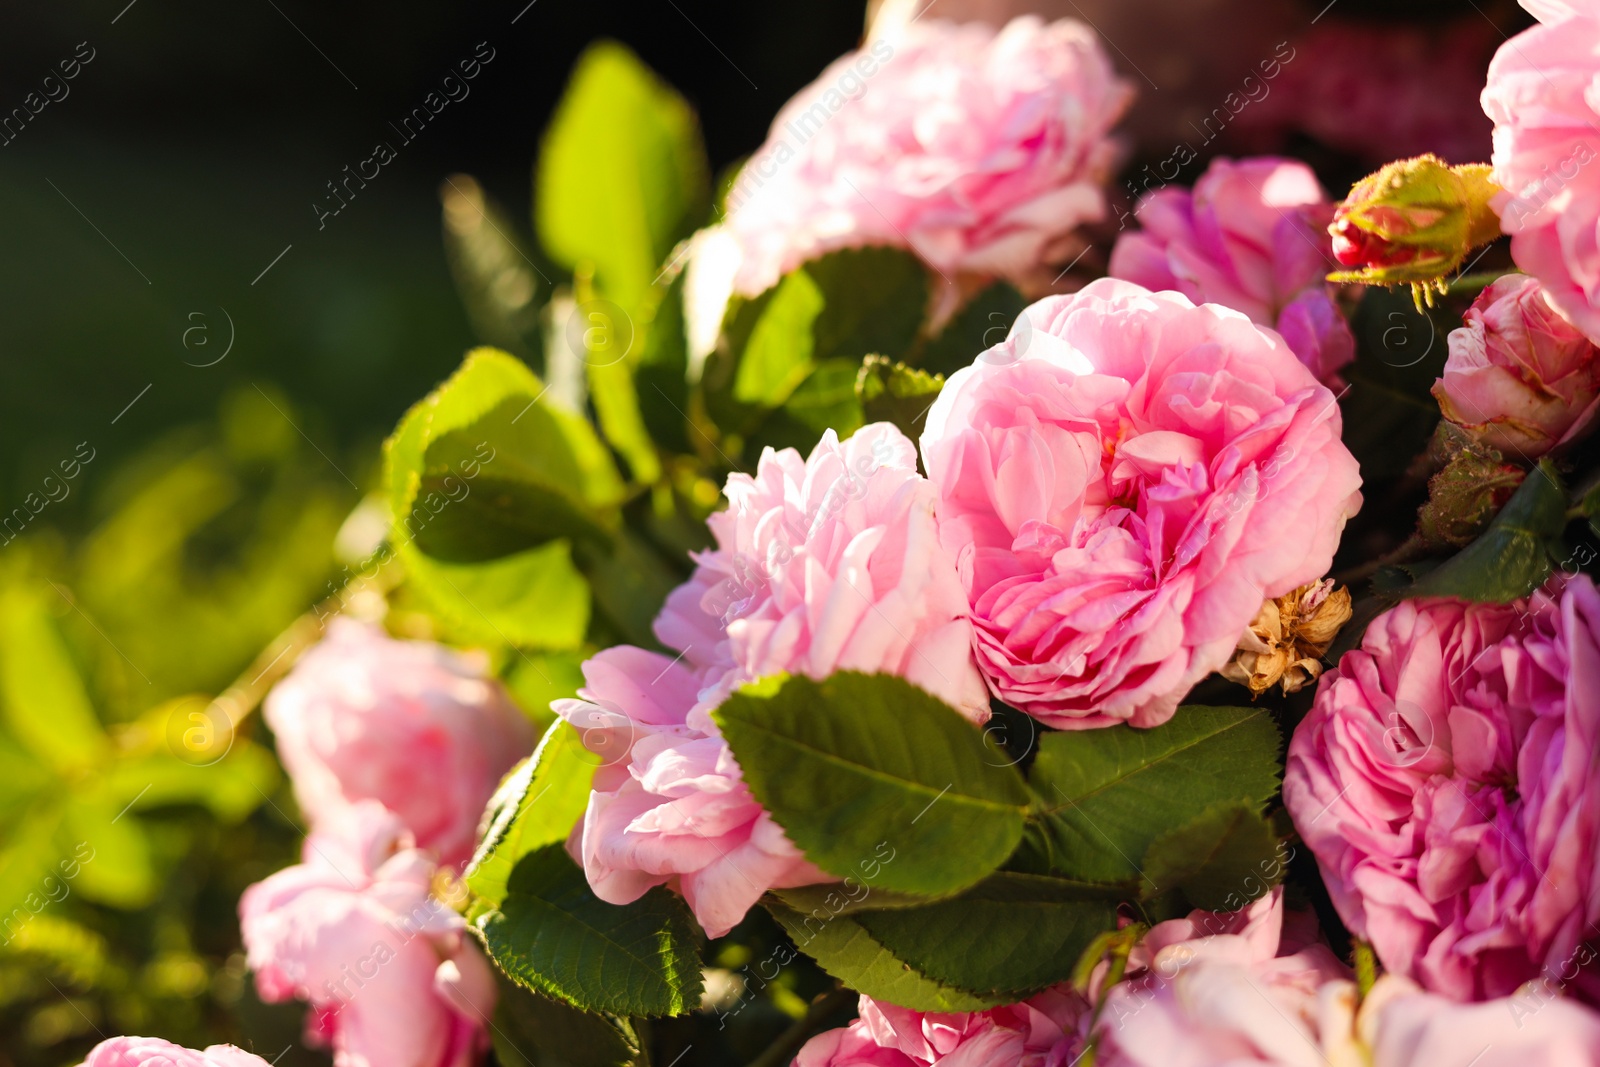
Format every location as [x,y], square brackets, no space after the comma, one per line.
[1413,221]
[1520,378]
[390,974]
[411,724]
[1444,780]
[154,1052]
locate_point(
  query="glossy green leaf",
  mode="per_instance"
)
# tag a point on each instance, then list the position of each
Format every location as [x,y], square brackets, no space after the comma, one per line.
[1105,795]
[622,173]
[856,761]
[537,805]
[45,703]
[119,870]
[1011,934]
[536,598]
[843,948]
[231,788]
[536,1031]
[1220,860]
[556,937]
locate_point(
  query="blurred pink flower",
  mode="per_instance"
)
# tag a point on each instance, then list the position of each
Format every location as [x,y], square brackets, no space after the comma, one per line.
[982,151]
[409,723]
[154,1052]
[1124,480]
[824,564]
[1520,378]
[1043,1031]
[1251,235]
[392,978]
[1445,782]
[1546,115]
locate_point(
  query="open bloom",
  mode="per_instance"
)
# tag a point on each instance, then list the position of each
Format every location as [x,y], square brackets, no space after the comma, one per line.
[391,976]
[1520,378]
[1251,235]
[1445,780]
[411,724]
[982,151]
[1540,96]
[1257,991]
[1123,481]
[1043,1031]
[154,1052]
[822,564]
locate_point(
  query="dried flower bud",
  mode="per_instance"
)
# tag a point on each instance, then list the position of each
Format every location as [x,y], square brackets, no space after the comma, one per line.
[1413,221]
[1285,644]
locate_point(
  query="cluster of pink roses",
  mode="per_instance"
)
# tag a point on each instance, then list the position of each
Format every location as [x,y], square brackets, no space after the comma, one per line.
[394,748]
[1254,987]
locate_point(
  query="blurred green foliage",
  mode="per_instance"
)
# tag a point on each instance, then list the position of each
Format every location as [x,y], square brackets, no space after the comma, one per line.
[130,817]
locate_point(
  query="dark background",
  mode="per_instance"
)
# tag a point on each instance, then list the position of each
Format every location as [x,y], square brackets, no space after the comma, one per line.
[195,143]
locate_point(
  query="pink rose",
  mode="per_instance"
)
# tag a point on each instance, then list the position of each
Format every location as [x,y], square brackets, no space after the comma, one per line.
[1520,377]
[1252,236]
[1403,1026]
[1123,481]
[408,723]
[825,564]
[392,977]
[1256,992]
[1445,781]
[1227,989]
[154,1052]
[1546,115]
[982,151]
[1043,1031]
[831,563]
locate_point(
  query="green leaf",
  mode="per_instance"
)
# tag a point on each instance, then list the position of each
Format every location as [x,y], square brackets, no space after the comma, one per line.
[1105,795]
[780,352]
[536,598]
[845,305]
[629,585]
[492,486]
[535,1031]
[1514,555]
[537,805]
[894,392]
[847,764]
[843,948]
[1221,860]
[46,706]
[556,937]
[662,374]
[825,401]
[622,173]
[1010,935]
[119,871]
[231,788]
[983,322]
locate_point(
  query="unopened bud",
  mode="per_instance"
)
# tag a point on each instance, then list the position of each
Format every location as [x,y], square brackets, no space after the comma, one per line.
[1414,221]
